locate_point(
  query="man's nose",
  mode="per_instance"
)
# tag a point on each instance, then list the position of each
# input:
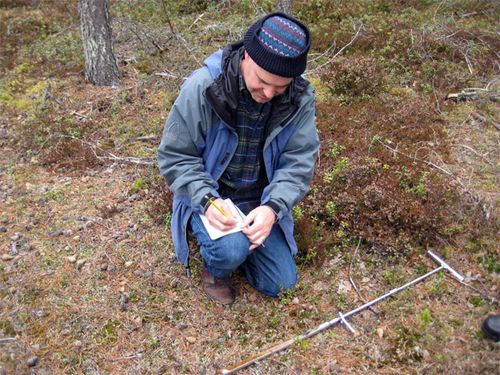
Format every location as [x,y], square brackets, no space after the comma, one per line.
[269,92]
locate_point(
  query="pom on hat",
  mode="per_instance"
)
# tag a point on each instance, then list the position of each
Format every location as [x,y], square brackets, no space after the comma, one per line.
[278,43]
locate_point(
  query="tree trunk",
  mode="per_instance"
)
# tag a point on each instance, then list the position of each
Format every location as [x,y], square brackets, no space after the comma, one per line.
[284,6]
[100,62]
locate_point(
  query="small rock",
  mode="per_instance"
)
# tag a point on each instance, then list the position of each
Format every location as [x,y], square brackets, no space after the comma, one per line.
[111,268]
[295,300]
[13,249]
[66,332]
[124,298]
[103,266]
[128,264]
[32,361]
[7,257]
[365,279]
[191,339]
[344,287]
[77,344]
[16,237]
[380,332]
[133,197]
[72,259]
[76,238]
[80,263]
[182,326]
[3,229]
[55,233]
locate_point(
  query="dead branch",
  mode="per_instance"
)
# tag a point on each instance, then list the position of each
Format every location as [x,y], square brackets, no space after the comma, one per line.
[485,295]
[77,114]
[473,93]
[6,339]
[352,281]
[455,179]
[166,74]
[477,153]
[330,60]
[150,137]
[175,32]
[108,157]
[195,21]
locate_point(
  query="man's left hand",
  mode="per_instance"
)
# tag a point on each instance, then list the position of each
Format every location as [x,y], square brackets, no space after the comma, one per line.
[258,224]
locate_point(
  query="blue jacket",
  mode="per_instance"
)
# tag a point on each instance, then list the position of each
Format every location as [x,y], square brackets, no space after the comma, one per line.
[199,142]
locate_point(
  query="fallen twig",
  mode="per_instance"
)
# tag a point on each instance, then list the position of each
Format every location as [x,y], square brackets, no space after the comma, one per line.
[166,74]
[352,281]
[77,114]
[329,61]
[109,156]
[6,339]
[473,93]
[477,153]
[483,294]
[195,21]
[476,199]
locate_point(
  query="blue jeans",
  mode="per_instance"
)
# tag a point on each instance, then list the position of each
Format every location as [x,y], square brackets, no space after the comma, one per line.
[270,269]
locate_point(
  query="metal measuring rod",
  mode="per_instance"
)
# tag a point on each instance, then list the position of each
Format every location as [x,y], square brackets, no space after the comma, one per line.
[341,319]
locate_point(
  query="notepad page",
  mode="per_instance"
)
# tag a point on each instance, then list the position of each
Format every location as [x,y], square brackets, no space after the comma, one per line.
[215,233]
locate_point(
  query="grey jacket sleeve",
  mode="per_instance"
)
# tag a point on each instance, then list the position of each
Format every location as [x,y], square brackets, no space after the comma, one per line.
[180,151]
[292,179]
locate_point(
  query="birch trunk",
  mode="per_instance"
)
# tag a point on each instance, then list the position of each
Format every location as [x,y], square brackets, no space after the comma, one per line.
[100,63]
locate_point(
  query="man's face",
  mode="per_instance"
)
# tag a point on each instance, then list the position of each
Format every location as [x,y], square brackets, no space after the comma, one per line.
[262,85]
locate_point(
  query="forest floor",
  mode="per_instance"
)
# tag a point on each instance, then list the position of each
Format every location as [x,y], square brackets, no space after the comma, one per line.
[89,283]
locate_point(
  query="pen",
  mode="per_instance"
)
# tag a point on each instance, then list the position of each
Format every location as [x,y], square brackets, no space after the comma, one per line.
[217,207]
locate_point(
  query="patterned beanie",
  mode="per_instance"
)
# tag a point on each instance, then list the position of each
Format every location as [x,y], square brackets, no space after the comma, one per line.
[279,44]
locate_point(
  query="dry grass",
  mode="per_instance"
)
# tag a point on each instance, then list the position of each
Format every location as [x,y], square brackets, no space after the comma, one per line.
[88,279]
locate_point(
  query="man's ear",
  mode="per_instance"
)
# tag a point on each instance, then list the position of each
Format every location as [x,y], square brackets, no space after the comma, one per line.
[246,55]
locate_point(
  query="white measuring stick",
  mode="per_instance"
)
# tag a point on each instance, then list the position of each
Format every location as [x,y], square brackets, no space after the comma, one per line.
[342,318]
[347,324]
[446,265]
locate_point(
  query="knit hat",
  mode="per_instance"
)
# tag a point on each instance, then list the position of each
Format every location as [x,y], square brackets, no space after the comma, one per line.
[278,43]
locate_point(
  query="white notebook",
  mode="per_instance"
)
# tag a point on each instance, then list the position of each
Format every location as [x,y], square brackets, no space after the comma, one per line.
[215,233]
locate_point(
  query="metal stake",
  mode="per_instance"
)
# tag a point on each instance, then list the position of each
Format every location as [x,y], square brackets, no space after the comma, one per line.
[341,319]
[346,323]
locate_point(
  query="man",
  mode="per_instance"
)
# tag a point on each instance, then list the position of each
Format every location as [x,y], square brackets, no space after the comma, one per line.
[243,127]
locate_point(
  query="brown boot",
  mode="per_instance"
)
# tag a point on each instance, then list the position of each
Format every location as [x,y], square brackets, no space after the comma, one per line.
[219,290]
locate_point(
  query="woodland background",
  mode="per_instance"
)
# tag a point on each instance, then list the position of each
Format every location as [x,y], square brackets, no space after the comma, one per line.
[407,106]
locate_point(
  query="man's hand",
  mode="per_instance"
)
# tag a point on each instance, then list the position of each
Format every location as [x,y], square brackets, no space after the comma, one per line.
[217,219]
[258,224]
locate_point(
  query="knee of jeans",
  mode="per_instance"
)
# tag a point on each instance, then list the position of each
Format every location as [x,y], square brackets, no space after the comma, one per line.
[235,256]
[286,282]
[230,253]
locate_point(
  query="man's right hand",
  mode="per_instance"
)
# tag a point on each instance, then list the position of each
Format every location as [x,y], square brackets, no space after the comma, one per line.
[217,219]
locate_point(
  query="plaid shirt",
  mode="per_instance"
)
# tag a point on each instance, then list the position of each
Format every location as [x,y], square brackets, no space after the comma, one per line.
[244,179]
